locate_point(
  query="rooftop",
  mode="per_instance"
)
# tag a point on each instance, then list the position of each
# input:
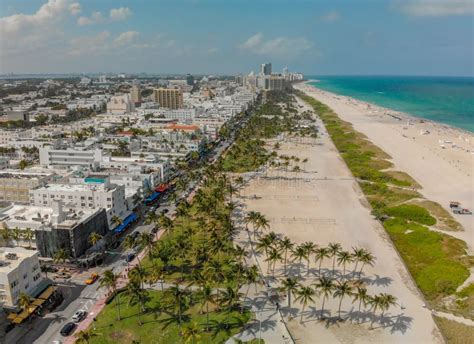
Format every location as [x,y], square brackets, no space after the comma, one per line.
[11,257]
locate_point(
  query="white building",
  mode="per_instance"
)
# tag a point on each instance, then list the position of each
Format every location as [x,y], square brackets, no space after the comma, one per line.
[70,157]
[20,272]
[94,194]
[119,105]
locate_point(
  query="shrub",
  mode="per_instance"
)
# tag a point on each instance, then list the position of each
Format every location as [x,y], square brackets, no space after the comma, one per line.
[412,212]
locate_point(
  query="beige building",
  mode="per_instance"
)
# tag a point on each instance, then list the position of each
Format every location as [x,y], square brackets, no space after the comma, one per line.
[15,185]
[20,272]
[171,98]
[135,93]
[120,105]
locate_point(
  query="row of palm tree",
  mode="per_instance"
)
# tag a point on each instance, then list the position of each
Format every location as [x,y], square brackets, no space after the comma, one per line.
[18,235]
[281,249]
[326,287]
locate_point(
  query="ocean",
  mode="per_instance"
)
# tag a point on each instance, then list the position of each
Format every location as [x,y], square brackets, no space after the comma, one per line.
[448,100]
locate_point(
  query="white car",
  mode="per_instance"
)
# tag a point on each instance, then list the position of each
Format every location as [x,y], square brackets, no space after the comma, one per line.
[79,315]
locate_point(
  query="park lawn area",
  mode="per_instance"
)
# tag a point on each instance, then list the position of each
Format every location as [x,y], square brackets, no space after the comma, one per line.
[454,332]
[438,262]
[162,327]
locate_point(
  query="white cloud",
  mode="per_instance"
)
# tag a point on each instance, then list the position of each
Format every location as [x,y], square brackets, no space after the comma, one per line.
[75,8]
[89,45]
[331,17]
[95,18]
[435,8]
[120,13]
[253,41]
[279,46]
[125,38]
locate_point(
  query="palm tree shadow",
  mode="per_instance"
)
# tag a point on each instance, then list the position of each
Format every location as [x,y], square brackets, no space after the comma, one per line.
[317,313]
[289,312]
[330,321]
[359,317]
[378,281]
[401,324]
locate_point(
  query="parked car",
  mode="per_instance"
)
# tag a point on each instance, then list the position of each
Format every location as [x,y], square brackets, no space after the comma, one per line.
[94,276]
[130,257]
[67,329]
[79,315]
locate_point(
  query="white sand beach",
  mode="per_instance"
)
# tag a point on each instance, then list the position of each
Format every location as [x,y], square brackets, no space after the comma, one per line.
[439,157]
[324,204]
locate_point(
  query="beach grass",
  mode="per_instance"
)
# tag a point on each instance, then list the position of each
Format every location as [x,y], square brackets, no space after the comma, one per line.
[455,332]
[160,325]
[438,262]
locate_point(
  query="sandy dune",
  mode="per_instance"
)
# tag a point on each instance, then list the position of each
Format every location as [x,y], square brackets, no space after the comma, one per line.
[323,204]
[442,162]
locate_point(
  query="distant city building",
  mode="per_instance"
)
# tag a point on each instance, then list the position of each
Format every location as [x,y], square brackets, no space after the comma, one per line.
[120,105]
[136,95]
[171,98]
[266,68]
[273,82]
[189,79]
[20,272]
[102,79]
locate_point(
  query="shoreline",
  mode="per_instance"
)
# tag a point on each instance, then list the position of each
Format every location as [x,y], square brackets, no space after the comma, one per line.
[402,114]
[441,161]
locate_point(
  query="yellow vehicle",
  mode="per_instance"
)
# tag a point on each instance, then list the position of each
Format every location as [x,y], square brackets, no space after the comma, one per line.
[92,279]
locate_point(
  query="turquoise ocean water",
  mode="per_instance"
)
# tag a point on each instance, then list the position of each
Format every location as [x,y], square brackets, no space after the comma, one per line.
[447,100]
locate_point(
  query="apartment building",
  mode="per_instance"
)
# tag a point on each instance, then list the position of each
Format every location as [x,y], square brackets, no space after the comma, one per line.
[93,194]
[70,157]
[55,227]
[20,272]
[119,105]
[15,185]
[171,98]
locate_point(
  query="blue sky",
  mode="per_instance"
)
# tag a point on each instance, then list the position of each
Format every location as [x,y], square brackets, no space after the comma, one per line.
[407,37]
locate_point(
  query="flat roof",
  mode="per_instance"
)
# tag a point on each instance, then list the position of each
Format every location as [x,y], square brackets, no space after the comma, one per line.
[7,265]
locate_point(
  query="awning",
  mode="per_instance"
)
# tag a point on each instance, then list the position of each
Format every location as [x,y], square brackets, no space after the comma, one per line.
[129,219]
[38,302]
[11,316]
[47,293]
[153,196]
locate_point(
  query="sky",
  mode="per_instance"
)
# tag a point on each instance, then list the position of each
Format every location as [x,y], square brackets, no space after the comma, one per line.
[341,37]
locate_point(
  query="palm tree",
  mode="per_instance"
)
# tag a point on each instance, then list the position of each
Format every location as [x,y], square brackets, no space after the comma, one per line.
[309,248]
[157,273]
[94,238]
[320,254]
[325,286]
[6,234]
[251,218]
[386,300]
[137,296]
[16,235]
[344,257]
[290,286]
[366,259]
[273,257]
[262,222]
[304,295]
[207,297]
[334,249]
[286,245]
[340,291]
[28,235]
[229,297]
[60,256]
[180,297]
[362,296]
[117,221]
[84,336]
[109,281]
[264,244]
[252,276]
[299,253]
[357,255]
[191,333]
[24,301]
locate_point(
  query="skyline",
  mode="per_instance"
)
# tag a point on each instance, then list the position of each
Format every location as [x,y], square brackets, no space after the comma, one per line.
[412,37]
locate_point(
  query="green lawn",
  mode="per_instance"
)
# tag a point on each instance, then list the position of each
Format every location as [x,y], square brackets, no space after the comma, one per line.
[437,262]
[160,326]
